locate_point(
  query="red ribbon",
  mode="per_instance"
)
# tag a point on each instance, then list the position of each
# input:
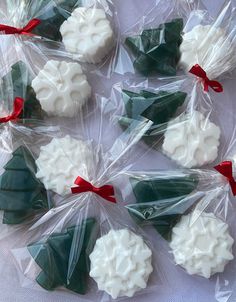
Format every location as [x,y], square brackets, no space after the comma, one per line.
[199,72]
[106,192]
[10,30]
[17,109]
[226,169]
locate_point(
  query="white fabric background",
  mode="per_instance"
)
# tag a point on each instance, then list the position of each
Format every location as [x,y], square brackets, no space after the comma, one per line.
[177,286]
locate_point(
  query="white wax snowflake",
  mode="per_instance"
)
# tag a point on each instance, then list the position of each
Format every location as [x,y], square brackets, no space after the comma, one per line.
[62,161]
[88,34]
[61,88]
[209,47]
[201,244]
[191,140]
[121,263]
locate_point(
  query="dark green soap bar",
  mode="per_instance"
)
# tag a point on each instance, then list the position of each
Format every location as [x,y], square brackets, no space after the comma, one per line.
[161,188]
[54,255]
[157,50]
[19,79]
[162,202]
[157,107]
[21,193]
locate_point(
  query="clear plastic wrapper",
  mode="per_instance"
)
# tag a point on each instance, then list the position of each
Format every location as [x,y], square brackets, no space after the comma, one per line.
[177,35]
[193,211]
[19,109]
[90,247]
[87,29]
[62,248]
[185,120]
[51,85]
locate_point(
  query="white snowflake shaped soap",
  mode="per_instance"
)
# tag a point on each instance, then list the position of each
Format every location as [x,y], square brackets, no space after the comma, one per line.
[209,47]
[62,161]
[61,88]
[192,140]
[121,263]
[201,244]
[88,34]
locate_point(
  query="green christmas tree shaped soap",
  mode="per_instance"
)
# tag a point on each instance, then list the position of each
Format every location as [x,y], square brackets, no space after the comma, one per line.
[161,201]
[19,80]
[157,50]
[158,107]
[22,195]
[54,255]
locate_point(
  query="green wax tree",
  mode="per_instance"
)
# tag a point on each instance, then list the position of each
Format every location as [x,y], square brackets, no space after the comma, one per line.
[53,255]
[157,50]
[162,202]
[53,17]
[19,79]
[22,195]
[158,107]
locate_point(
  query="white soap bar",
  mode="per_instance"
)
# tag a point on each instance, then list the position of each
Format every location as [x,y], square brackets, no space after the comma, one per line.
[201,244]
[209,47]
[191,140]
[61,88]
[88,34]
[121,263]
[62,161]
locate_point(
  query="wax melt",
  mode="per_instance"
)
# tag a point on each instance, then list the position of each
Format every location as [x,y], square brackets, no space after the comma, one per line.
[62,161]
[159,107]
[121,263]
[157,50]
[209,47]
[201,244]
[162,201]
[21,194]
[192,140]
[53,254]
[88,34]
[61,88]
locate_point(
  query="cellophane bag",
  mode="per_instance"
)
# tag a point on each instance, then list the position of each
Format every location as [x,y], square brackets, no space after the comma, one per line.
[18,105]
[86,29]
[86,219]
[53,86]
[192,212]
[186,126]
[23,195]
[181,35]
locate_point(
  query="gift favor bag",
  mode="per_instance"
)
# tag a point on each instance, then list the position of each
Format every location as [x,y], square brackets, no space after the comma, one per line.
[186,125]
[179,35]
[62,248]
[193,210]
[86,29]
[51,85]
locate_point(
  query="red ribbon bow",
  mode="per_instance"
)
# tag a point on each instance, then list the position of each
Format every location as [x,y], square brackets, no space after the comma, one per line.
[17,109]
[10,30]
[226,169]
[106,192]
[199,72]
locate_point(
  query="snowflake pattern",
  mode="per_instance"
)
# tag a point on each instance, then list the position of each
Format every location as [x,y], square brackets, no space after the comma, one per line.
[88,34]
[121,263]
[201,244]
[61,88]
[62,161]
[192,140]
